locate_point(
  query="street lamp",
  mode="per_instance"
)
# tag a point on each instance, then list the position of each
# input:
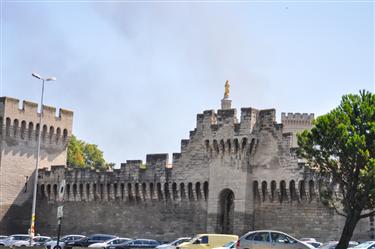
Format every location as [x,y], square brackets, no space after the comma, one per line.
[32,223]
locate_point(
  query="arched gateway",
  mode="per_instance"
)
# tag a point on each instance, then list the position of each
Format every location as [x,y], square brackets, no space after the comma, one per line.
[226,211]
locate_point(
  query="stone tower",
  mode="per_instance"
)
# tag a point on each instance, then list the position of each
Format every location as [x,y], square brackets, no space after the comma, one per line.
[18,141]
[295,123]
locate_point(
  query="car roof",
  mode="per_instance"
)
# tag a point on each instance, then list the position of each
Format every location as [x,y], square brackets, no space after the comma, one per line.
[143,240]
[215,234]
[268,231]
[102,234]
[19,235]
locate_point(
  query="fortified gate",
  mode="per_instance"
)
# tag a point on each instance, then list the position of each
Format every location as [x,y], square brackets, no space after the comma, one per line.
[233,174]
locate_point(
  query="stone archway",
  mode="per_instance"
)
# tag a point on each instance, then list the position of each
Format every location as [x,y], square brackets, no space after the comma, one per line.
[226,211]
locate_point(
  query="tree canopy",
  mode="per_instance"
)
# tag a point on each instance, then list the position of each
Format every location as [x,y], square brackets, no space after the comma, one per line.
[341,149]
[85,155]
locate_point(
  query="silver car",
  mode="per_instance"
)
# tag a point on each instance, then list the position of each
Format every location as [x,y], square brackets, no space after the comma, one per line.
[173,244]
[13,239]
[266,239]
[68,238]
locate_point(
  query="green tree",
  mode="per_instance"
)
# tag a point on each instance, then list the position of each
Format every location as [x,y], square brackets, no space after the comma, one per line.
[85,155]
[75,153]
[341,148]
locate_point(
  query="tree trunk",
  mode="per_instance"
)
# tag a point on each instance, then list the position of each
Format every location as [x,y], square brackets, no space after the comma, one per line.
[347,233]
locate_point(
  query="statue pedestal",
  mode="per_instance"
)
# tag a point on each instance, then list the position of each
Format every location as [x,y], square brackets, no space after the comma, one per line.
[226,103]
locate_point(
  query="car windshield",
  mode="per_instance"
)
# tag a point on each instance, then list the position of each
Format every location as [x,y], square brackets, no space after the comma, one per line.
[229,244]
[177,242]
[127,242]
[194,238]
[364,244]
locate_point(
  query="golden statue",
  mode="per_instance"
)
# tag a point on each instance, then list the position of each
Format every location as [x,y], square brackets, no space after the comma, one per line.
[226,93]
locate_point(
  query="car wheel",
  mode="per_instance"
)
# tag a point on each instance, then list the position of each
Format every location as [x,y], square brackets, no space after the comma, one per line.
[57,247]
[23,246]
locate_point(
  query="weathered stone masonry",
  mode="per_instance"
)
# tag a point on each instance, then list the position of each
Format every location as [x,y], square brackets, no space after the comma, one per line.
[19,128]
[231,176]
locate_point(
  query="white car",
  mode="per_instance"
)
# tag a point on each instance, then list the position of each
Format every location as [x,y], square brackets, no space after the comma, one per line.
[111,242]
[37,241]
[14,238]
[270,239]
[173,244]
[68,238]
[365,245]
[333,244]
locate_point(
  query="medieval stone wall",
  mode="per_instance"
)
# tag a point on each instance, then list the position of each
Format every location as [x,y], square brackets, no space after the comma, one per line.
[19,129]
[232,175]
[159,219]
[295,208]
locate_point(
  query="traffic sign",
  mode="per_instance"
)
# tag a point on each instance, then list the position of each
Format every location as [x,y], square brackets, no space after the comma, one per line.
[60,212]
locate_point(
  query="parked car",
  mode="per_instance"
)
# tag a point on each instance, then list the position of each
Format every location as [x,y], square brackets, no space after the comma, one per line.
[333,244]
[3,237]
[174,243]
[270,239]
[208,241]
[315,244]
[86,241]
[136,244]
[365,245]
[229,245]
[37,241]
[111,242]
[14,238]
[67,238]
[311,241]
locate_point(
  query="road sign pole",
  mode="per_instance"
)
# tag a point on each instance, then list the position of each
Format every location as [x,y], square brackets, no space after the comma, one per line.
[58,232]
[60,212]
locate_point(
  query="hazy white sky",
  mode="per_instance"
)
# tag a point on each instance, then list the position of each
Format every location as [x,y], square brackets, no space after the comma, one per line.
[136,74]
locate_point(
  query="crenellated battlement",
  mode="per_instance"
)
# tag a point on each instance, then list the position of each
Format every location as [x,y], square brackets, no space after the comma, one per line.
[30,109]
[92,185]
[23,123]
[297,118]
[226,119]
[133,170]
[295,123]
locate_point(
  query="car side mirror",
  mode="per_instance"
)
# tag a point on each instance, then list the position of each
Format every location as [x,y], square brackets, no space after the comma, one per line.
[197,241]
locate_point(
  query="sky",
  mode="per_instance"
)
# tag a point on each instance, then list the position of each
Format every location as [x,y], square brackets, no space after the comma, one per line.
[136,73]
